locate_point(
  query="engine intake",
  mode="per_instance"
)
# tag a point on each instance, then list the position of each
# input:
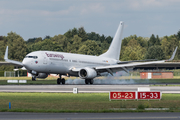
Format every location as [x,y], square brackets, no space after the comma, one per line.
[87,73]
[38,75]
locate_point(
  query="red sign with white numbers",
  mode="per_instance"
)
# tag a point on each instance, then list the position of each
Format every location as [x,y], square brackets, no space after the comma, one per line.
[115,95]
[149,95]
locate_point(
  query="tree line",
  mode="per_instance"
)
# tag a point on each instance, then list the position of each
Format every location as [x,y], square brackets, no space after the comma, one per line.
[77,40]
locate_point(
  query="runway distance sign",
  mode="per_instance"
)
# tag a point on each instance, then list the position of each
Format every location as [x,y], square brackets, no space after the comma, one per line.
[122,95]
[149,95]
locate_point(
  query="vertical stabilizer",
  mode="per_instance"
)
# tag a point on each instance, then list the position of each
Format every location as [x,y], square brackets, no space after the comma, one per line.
[115,47]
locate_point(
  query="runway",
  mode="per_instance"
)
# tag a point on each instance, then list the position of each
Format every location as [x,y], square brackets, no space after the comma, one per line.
[84,88]
[88,116]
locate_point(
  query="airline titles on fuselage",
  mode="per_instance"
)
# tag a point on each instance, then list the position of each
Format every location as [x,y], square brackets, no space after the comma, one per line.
[54,55]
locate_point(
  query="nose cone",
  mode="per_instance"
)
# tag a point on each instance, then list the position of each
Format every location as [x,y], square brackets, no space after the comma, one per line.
[26,63]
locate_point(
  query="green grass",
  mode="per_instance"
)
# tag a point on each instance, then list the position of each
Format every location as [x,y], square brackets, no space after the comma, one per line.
[30,82]
[25,78]
[82,102]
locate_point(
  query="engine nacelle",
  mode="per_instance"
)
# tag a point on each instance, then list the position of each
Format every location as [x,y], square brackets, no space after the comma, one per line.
[87,73]
[42,75]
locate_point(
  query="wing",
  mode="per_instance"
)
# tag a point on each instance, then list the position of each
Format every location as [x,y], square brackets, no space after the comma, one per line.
[128,65]
[146,60]
[11,61]
[124,66]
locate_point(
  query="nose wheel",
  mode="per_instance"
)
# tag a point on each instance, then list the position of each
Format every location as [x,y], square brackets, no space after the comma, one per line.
[33,78]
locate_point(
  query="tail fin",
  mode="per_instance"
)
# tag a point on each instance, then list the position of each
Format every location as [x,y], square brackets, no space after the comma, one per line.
[115,47]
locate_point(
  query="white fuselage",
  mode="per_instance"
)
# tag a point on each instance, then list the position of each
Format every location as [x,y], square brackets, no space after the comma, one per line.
[62,63]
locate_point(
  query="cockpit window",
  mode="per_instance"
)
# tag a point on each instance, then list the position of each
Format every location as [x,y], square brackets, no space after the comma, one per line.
[35,57]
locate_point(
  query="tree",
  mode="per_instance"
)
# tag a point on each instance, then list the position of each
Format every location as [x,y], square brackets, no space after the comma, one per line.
[76,43]
[133,51]
[47,37]
[165,47]
[109,39]
[74,31]
[90,48]
[157,41]
[18,49]
[142,41]
[104,46]
[38,39]
[168,45]
[82,33]
[17,46]
[68,34]
[30,40]
[102,38]
[3,44]
[155,52]
[178,35]
[6,67]
[151,41]
[1,37]
[46,44]
[93,36]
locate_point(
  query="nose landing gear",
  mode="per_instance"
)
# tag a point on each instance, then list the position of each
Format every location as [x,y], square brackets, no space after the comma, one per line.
[33,78]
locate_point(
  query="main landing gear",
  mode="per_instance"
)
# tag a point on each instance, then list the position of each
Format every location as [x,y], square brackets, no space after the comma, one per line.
[59,80]
[89,81]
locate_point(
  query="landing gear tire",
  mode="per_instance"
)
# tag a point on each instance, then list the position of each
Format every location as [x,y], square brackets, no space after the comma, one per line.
[33,78]
[86,81]
[58,81]
[63,81]
[89,81]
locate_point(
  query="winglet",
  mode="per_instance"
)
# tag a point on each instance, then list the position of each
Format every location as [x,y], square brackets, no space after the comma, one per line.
[6,54]
[173,55]
[11,61]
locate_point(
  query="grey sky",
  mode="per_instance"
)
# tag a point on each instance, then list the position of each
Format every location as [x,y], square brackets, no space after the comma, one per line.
[38,18]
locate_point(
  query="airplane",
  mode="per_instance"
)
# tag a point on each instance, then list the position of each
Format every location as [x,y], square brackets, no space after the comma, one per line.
[42,63]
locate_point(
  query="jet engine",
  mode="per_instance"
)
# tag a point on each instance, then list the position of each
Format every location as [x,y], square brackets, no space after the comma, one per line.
[38,75]
[42,75]
[87,73]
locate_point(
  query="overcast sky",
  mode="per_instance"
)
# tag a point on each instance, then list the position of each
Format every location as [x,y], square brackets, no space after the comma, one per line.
[38,18]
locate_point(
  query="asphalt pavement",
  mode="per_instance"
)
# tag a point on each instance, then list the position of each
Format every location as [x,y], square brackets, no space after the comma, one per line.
[89,116]
[85,88]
